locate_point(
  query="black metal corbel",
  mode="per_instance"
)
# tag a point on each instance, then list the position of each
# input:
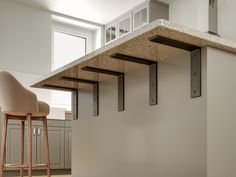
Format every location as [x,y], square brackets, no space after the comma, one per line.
[75,94]
[74,97]
[75,104]
[195,68]
[120,80]
[153,74]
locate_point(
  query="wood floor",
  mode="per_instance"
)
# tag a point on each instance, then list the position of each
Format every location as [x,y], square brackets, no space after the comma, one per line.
[54,176]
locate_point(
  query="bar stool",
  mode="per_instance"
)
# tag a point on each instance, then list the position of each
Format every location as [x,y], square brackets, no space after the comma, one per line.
[18,103]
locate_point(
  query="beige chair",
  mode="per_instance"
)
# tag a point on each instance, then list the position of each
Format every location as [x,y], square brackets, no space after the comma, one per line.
[18,103]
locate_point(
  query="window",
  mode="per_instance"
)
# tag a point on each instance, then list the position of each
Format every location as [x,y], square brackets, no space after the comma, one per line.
[66,48]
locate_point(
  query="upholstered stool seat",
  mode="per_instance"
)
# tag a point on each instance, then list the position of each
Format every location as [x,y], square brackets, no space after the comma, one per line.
[18,103]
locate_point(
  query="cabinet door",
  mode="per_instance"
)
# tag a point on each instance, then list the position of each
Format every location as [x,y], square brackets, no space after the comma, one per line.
[67,148]
[140,16]
[13,144]
[56,139]
[111,32]
[124,25]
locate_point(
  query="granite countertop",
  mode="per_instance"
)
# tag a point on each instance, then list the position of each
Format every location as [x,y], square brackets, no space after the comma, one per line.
[135,44]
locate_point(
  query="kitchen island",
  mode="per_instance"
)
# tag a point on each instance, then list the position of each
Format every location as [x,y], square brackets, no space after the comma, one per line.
[189,128]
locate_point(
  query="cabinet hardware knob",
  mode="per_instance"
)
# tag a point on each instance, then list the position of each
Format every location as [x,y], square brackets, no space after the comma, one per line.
[34,131]
[39,131]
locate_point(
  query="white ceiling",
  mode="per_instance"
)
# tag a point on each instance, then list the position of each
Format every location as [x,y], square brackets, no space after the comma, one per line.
[99,11]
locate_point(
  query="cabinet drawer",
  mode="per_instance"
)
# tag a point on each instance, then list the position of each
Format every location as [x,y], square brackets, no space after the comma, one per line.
[51,123]
[56,123]
[68,123]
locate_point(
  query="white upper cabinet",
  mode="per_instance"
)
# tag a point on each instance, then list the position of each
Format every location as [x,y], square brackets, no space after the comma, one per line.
[124,25]
[111,32]
[137,17]
[140,16]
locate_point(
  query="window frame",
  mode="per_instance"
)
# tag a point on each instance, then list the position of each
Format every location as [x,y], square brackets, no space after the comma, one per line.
[68,30]
[62,32]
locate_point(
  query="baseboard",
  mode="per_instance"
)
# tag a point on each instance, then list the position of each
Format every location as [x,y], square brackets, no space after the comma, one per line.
[11,173]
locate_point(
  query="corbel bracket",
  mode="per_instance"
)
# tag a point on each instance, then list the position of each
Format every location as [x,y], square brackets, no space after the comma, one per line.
[120,80]
[195,68]
[153,74]
[75,95]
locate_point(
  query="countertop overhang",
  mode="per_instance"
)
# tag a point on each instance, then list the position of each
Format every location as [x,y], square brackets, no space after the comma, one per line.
[135,44]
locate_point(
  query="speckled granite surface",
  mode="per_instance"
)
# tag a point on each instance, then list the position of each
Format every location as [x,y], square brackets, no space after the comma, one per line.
[135,44]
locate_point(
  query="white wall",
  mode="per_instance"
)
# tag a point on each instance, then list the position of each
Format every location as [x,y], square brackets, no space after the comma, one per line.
[221,113]
[25,38]
[194,14]
[25,44]
[226,19]
[190,13]
[166,140]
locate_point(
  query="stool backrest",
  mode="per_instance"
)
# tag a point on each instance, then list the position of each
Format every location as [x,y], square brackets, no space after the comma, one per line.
[14,97]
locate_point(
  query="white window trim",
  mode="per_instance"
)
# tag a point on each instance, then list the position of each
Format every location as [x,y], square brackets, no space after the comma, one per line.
[72,30]
[66,33]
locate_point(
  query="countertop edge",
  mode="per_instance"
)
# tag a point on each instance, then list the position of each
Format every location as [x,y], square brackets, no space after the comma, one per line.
[224,43]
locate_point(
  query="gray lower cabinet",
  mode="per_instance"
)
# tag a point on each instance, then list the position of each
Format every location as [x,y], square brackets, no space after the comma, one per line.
[13,145]
[59,144]
[67,148]
[56,146]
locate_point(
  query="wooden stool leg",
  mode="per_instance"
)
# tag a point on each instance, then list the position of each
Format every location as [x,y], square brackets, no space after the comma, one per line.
[3,144]
[46,145]
[29,145]
[22,146]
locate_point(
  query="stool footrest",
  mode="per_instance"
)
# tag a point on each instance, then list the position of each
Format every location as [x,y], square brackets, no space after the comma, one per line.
[16,165]
[39,165]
